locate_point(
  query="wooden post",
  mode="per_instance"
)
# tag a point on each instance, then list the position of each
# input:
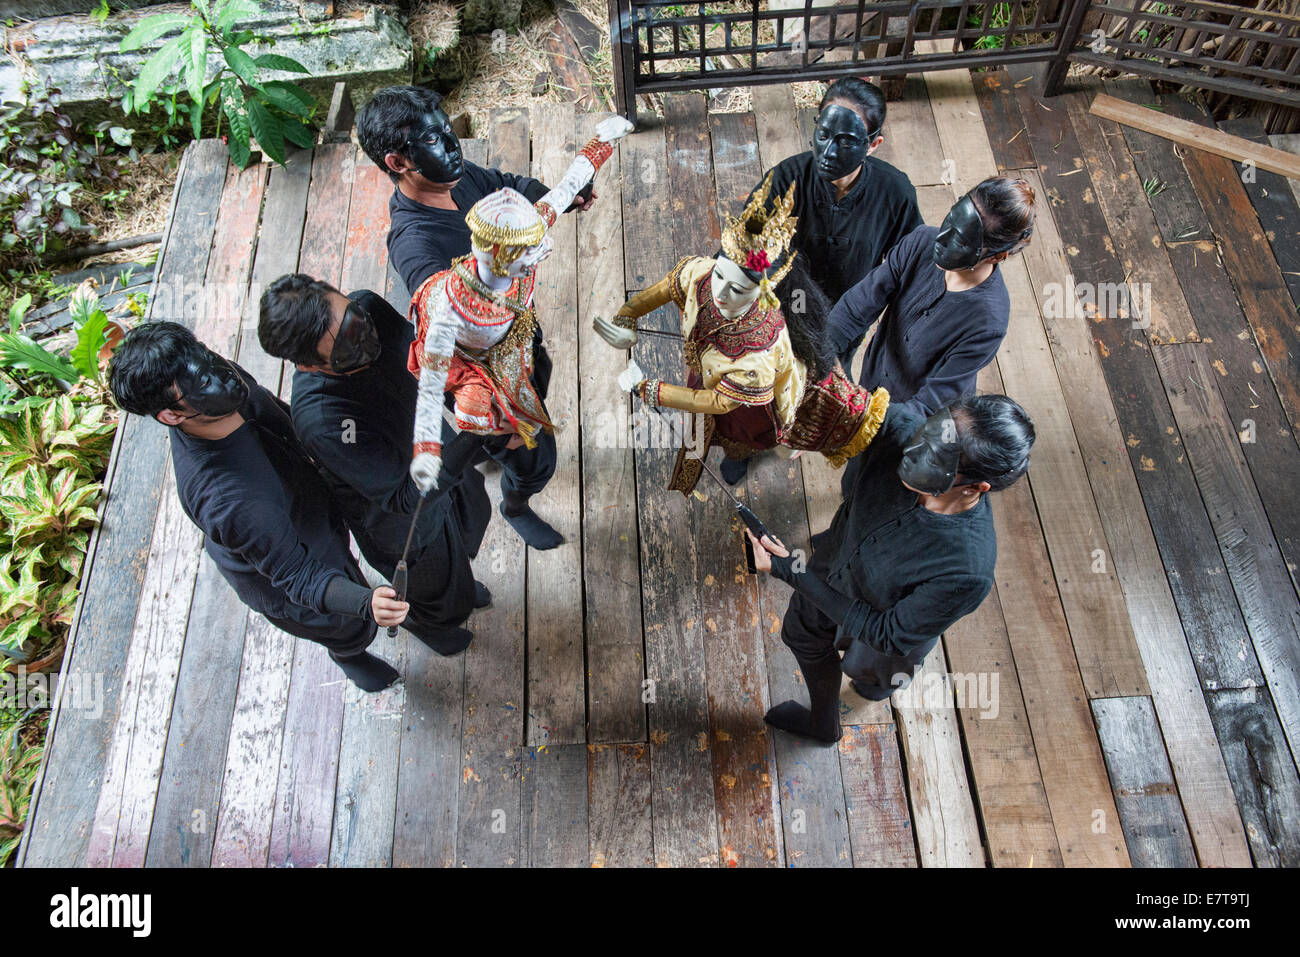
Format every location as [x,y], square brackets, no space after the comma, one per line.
[622,56]
[338,122]
[1069,35]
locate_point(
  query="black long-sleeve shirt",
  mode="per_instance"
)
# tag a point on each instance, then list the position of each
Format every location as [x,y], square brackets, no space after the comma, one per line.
[270,524]
[931,343]
[891,573]
[423,240]
[358,428]
[843,239]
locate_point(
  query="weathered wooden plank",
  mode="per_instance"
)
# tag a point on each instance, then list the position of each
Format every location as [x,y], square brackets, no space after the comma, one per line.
[195,762]
[1198,765]
[1267,438]
[1144,787]
[1190,134]
[1074,776]
[428,773]
[554,806]
[1197,578]
[1094,605]
[1291,143]
[1265,778]
[365,798]
[943,816]
[618,795]
[649,252]
[1009,794]
[1259,575]
[302,820]
[1261,287]
[1277,208]
[611,574]
[125,808]
[1006,127]
[243,831]
[880,827]
[556,670]
[487,824]
[1118,190]
[163,630]
[911,139]
[77,748]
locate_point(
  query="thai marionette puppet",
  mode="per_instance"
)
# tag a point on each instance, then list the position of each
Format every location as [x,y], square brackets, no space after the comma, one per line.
[760,377]
[475,321]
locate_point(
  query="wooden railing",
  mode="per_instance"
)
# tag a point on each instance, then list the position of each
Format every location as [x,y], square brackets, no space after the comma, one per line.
[663,45]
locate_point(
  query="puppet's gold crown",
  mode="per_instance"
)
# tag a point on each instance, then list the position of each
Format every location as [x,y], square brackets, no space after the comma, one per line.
[778,226]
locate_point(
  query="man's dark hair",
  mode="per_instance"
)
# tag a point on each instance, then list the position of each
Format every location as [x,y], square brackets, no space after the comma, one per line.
[294,314]
[146,365]
[996,436]
[385,123]
[865,98]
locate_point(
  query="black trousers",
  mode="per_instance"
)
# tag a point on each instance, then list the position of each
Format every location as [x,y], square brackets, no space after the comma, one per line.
[811,635]
[439,578]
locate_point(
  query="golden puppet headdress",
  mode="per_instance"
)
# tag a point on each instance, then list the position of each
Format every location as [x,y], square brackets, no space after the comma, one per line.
[505,224]
[757,251]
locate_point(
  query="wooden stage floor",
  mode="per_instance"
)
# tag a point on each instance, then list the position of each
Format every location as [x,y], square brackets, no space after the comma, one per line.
[1130,690]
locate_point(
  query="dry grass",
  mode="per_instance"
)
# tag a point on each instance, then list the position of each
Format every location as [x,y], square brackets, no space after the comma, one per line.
[148,185]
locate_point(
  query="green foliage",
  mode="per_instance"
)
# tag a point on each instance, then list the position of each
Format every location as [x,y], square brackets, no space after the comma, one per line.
[175,79]
[46,166]
[28,364]
[21,736]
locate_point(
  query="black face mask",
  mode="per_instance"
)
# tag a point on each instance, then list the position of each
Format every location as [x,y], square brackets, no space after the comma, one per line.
[960,243]
[840,141]
[931,456]
[211,386]
[434,148]
[356,344]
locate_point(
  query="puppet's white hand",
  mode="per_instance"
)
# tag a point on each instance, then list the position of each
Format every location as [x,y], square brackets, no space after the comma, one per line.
[613,128]
[425,469]
[631,377]
[614,334]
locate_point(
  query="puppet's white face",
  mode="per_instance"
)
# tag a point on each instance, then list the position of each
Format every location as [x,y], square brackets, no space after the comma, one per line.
[528,260]
[733,291]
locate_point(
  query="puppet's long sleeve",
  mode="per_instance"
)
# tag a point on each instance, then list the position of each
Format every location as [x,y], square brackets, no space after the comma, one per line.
[435,360]
[583,168]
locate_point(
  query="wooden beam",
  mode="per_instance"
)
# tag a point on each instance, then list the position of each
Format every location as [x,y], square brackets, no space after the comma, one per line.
[1198,137]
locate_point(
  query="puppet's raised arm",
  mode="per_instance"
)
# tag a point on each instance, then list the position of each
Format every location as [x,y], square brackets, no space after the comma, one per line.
[583,168]
[435,360]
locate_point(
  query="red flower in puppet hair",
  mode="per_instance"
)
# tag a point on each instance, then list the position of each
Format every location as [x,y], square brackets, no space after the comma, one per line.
[757,260]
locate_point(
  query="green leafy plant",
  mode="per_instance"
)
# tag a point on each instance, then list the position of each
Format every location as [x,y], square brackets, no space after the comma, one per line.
[275,112]
[27,364]
[45,166]
[21,735]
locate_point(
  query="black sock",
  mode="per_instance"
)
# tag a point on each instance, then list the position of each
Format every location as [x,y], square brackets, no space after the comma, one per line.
[820,721]
[535,532]
[367,672]
[447,642]
[482,597]
[733,470]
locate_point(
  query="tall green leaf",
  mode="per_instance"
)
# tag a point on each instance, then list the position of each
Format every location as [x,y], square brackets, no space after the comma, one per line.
[288,97]
[151,28]
[90,339]
[274,61]
[197,69]
[20,352]
[243,65]
[232,104]
[267,130]
[158,68]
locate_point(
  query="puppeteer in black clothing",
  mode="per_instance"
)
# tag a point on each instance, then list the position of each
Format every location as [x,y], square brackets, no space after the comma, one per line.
[910,550]
[271,526]
[357,426]
[931,342]
[842,239]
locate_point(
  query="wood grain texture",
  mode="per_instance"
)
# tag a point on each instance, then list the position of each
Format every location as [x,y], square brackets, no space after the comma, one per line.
[1145,794]
[880,827]
[618,794]
[556,669]
[610,571]
[1189,134]
[943,816]
[553,806]
[1002,119]
[1198,765]
[302,820]
[1009,794]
